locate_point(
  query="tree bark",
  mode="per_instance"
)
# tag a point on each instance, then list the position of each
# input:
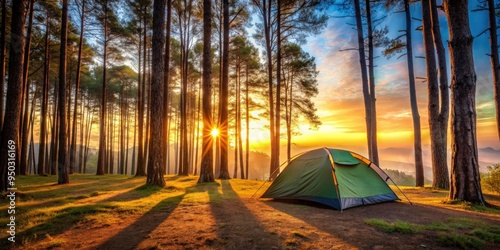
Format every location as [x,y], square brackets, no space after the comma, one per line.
[373,110]
[63,177]
[72,156]
[25,120]
[55,132]
[101,160]
[465,181]
[45,96]
[247,102]
[224,123]
[155,161]
[495,64]
[438,113]
[273,171]
[277,121]
[417,138]
[10,129]
[364,76]
[206,168]
[166,79]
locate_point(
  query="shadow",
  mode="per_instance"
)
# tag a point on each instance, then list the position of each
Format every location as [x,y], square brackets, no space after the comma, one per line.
[350,224]
[68,197]
[139,192]
[63,221]
[131,236]
[304,203]
[237,227]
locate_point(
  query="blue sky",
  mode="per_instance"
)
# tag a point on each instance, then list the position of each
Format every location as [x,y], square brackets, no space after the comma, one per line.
[340,104]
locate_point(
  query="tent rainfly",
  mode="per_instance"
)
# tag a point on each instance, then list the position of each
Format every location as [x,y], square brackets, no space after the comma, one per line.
[337,178]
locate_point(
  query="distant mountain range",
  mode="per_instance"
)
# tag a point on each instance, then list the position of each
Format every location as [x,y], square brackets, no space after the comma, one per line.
[402,159]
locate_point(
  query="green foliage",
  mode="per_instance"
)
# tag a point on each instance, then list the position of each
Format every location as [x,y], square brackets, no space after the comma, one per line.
[400,178]
[491,180]
[394,47]
[485,235]
[462,241]
[454,232]
[398,226]
[474,207]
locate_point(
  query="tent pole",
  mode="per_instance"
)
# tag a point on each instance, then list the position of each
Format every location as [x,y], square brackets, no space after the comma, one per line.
[401,191]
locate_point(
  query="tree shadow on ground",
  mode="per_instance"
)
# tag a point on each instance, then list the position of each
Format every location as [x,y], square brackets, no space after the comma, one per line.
[350,225]
[63,221]
[131,236]
[139,192]
[237,227]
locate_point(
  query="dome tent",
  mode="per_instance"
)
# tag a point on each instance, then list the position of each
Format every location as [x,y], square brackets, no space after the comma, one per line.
[338,178]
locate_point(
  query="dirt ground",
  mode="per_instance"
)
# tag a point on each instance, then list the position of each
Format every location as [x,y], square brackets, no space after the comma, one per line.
[251,223]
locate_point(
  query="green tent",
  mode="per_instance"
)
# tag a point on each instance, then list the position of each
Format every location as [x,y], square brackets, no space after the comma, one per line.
[337,178]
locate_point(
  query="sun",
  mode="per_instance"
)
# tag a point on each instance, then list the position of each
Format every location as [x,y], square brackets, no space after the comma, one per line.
[215,132]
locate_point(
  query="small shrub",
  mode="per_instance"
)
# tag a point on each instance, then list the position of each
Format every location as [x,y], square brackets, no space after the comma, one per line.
[491,180]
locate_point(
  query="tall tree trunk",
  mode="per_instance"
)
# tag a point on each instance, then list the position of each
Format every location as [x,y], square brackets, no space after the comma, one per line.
[148,112]
[82,126]
[45,99]
[417,141]
[55,132]
[166,79]
[206,168]
[247,100]
[89,132]
[25,120]
[3,34]
[364,76]
[141,171]
[63,177]
[10,129]
[465,181]
[72,155]
[101,160]
[156,161]
[238,139]
[134,149]
[495,64]
[438,113]
[224,94]
[266,11]
[197,141]
[289,122]
[277,133]
[373,110]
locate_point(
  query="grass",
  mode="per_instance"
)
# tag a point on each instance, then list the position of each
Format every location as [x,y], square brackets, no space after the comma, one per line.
[44,208]
[455,232]
[388,227]
[472,207]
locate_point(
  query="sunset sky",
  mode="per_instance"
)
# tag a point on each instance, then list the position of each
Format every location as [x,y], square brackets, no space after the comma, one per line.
[340,102]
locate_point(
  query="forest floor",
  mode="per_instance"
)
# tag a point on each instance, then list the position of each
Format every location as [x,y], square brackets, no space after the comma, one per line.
[120,212]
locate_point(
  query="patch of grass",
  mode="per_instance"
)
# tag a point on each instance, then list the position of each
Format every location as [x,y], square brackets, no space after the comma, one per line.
[463,223]
[451,231]
[460,240]
[485,235]
[465,205]
[436,226]
[396,227]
